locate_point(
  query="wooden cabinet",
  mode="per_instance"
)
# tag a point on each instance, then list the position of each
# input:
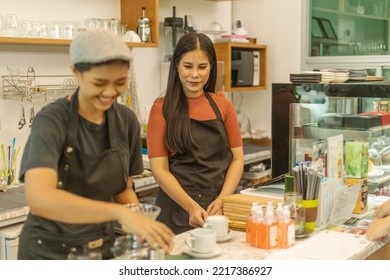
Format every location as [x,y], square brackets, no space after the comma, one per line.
[224,53]
[345,27]
[131,11]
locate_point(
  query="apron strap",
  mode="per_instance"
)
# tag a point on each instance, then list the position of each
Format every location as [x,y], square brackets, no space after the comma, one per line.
[217,113]
[111,120]
[71,135]
[70,141]
[214,106]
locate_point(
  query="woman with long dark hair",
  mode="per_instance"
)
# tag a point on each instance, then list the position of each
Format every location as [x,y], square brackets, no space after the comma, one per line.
[194,140]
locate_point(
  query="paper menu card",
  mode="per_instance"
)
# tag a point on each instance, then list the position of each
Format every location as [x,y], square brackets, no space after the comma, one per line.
[335,157]
[325,245]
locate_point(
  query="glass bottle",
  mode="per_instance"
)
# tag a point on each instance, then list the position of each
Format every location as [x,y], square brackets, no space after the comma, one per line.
[143,28]
[295,204]
[84,253]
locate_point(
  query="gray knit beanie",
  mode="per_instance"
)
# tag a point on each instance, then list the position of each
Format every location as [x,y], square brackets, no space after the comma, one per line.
[98,45]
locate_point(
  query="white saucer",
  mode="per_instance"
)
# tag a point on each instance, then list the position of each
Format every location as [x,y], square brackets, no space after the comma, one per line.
[213,254]
[375,172]
[385,167]
[224,238]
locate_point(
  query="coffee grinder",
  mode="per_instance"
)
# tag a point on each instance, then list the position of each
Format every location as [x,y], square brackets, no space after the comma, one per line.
[173,30]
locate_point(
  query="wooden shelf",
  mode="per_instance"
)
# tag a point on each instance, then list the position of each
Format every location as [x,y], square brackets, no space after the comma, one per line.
[131,11]
[56,42]
[33,41]
[224,53]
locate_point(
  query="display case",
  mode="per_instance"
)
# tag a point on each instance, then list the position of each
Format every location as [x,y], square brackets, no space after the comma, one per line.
[358,112]
[349,27]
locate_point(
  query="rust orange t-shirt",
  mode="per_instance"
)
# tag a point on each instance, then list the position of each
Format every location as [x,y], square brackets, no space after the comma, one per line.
[199,109]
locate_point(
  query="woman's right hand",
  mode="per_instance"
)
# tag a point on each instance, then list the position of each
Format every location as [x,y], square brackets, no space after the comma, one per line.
[197,216]
[155,233]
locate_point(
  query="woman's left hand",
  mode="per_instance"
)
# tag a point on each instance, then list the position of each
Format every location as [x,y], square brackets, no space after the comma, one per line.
[215,207]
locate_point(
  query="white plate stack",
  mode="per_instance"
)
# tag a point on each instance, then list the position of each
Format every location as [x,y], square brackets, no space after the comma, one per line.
[340,75]
[326,76]
[305,78]
[357,74]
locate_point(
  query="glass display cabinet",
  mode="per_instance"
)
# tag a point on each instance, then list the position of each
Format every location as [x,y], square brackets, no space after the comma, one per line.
[358,112]
[349,27]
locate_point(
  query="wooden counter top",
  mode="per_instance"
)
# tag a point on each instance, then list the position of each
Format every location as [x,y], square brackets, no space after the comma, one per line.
[13,207]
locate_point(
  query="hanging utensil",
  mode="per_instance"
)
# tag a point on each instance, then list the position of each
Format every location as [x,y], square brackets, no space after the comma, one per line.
[22,120]
[32,116]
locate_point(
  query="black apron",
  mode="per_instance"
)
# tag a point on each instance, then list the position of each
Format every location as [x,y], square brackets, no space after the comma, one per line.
[97,177]
[201,173]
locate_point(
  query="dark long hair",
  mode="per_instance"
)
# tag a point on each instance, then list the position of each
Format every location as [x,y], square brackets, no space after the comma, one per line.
[175,109]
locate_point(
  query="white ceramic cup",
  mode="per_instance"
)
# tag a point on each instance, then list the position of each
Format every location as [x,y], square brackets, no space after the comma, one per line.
[202,240]
[219,223]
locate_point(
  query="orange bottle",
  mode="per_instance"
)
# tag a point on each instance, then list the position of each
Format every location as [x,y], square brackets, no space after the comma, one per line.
[279,219]
[269,228]
[258,229]
[250,223]
[287,230]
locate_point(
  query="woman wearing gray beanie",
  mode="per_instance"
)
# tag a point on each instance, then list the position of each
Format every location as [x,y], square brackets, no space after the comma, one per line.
[79,159]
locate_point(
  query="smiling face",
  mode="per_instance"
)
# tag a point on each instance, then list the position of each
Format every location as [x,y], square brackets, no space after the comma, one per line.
[194,72]
[99,88]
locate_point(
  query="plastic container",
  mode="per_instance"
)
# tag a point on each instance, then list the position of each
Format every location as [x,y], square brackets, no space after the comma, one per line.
[250,223]
[286,230]
[173,31]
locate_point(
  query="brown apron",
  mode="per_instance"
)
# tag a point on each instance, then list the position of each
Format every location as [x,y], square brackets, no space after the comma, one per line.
[201,173]
[97,177]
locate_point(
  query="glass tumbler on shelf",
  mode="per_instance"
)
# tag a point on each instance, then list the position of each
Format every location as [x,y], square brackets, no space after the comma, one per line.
[295,202]
[115,25]
[69,29]
[2,30]
[25,28]
[11,25]
[37,29]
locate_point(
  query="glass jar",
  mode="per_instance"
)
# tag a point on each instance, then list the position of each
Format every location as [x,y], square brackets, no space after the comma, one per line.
[84,253]
[129,247]
[297,210]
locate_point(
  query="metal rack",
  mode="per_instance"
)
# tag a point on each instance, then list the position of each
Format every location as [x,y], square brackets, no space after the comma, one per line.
[32,87]
[31,90]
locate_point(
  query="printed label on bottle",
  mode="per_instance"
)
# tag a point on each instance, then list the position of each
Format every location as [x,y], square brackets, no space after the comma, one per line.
[290,235]
[273,230]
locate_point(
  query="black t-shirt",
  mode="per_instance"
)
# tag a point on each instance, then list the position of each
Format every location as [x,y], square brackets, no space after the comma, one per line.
[48,134]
